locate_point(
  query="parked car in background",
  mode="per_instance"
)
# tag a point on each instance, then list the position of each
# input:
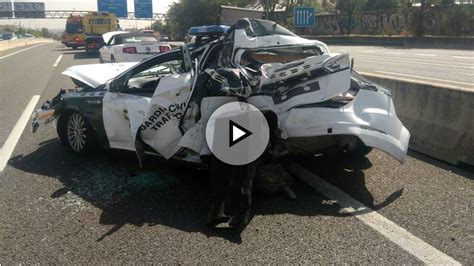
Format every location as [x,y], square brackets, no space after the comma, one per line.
[130,47]
[9,36]
[202,35]
[148,31]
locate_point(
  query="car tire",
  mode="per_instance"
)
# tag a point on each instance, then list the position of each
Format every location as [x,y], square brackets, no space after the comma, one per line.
[74,47]
[76,133]
[101,61]
[112,59]
[358,149]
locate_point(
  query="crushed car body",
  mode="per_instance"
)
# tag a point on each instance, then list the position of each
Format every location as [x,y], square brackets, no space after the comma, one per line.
[313,100]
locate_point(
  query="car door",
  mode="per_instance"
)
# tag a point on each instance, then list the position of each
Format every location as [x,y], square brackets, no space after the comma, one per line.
[130,100]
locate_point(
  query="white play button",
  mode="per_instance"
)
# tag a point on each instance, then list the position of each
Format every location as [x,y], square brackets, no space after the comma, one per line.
[237,133]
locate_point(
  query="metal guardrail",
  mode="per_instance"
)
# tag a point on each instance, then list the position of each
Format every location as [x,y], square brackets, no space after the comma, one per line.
[58,14]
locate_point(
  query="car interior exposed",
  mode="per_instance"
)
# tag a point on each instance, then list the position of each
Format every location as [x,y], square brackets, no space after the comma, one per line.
[145,78]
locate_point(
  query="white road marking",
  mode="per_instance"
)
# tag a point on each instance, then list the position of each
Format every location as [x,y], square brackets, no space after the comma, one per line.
[464,57]
[57,61]
[395,53]
[469,74]
[426,55]
[466,66]
[398,235]
[416,81]
[420,77]
[5,56]
[14,137]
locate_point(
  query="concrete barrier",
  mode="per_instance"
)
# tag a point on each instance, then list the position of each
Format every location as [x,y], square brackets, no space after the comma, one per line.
[7,45]
[440,119]
[465,43]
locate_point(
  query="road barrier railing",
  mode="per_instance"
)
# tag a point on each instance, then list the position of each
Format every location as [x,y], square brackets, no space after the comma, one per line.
[11,44]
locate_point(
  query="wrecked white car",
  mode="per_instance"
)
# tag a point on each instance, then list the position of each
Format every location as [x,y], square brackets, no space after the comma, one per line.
[314,102]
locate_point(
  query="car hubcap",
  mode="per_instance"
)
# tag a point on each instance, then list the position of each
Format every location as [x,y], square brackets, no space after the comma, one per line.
[76,132]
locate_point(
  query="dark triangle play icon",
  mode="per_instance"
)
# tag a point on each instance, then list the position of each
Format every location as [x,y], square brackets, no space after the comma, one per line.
[237,133]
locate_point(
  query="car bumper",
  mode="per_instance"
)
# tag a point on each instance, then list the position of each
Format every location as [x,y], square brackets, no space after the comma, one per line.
[78,44]
[370,116]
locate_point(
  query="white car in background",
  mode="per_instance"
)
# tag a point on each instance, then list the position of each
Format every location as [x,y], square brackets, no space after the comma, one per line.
[122,46]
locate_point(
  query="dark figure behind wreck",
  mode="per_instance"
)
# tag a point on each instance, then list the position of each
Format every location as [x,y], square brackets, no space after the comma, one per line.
[231,193]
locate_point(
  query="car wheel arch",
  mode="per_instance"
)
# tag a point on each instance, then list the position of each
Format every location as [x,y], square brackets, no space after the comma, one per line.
[62,122]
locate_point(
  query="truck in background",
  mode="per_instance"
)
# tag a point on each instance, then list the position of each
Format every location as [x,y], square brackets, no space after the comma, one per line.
[86,31]
[95,24]
[73,36]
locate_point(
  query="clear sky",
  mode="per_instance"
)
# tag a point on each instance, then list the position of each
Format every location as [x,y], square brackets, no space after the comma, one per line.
[159,6]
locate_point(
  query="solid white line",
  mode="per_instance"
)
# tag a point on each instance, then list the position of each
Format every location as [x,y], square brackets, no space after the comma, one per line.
[396,53]
[415,81]
[469,74]
[57,61]
[14,137]
[425,54]
[415,62]
[398,235]
[3,57]
[464,57]
[420,77]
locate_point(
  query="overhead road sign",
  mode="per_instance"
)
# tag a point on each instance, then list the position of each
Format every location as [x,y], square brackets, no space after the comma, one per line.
[117,7]
[55,14]
[6,10]
[143,9]
[304,17]
[29,10]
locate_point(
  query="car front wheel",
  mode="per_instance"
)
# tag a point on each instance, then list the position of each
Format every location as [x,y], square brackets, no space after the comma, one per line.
[76,133]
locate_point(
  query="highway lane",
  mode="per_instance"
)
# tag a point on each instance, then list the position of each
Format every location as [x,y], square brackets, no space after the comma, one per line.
[57,207]
[437,66]
[24,75]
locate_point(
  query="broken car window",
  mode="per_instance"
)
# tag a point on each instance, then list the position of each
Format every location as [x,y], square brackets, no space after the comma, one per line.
[146,78]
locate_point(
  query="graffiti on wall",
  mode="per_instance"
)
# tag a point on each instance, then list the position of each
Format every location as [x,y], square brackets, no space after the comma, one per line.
[387,22]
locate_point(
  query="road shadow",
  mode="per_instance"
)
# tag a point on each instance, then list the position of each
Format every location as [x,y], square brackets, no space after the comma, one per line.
[78,54]
[170,193]
[462,169]
[347,174]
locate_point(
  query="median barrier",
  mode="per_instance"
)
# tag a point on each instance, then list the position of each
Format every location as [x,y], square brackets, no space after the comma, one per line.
[440,118]
[11,44]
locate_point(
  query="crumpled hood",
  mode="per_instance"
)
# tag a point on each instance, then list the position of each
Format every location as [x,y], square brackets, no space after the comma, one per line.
[97,74]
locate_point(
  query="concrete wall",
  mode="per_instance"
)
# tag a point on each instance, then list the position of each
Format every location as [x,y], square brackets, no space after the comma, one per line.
[440,119]
[7,45]
[437,21]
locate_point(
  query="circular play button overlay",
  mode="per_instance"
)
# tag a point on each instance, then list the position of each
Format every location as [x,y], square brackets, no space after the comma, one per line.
[237,133]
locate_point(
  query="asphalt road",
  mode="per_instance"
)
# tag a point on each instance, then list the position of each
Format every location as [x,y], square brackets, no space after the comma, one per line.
[59,208]
[438,66]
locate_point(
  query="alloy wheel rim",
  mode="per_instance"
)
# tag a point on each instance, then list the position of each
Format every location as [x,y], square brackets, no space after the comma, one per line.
[76,132]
